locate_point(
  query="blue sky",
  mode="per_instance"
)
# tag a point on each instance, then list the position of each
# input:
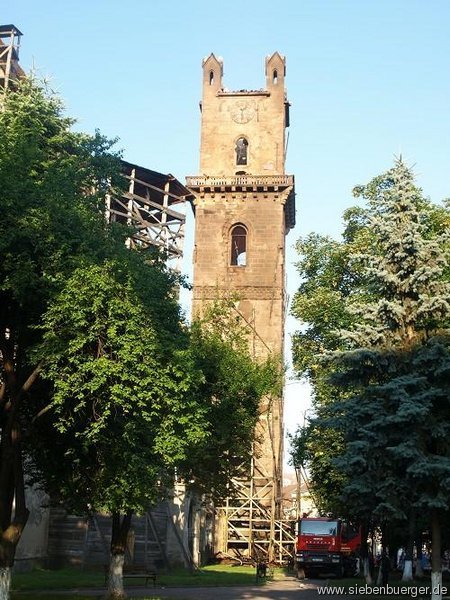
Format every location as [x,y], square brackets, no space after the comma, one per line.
[367,80]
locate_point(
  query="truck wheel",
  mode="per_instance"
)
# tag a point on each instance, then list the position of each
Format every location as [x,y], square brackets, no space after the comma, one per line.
[301,573]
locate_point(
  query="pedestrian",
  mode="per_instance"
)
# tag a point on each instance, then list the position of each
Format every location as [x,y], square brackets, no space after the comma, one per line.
[401,559]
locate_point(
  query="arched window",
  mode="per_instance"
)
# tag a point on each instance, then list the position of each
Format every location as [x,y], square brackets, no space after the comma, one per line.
[241,151]
[211,77]
[238,246]
[275,77]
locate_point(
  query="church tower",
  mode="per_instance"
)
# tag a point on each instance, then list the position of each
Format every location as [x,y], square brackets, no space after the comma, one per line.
[244,207]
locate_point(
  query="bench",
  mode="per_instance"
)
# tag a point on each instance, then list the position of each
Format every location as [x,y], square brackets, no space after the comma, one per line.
[135,572]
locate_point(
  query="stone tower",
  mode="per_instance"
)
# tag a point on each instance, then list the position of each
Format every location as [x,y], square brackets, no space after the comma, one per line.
[244,206]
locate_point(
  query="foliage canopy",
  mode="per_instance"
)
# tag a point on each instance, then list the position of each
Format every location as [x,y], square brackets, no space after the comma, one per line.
[379,358]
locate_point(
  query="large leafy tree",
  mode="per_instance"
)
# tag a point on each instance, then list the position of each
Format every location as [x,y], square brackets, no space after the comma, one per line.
[401,352]
[52,184]
[134,399]
[390,405]
[123,399]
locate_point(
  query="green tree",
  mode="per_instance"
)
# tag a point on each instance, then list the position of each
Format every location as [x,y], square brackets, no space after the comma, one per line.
[126,394]
[123,401]
[52,184]
[134,399]
[390,369]
[401,343]
[233,386]
[331,281]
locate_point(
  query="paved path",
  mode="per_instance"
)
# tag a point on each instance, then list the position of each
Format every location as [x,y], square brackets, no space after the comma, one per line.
[288,589]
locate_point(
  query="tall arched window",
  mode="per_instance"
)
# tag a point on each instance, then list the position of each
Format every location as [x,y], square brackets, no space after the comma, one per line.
[241,151]
[238,246]
[211,77]
[275,77]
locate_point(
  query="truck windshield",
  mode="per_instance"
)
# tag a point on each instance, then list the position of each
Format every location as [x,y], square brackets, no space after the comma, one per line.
[318,527]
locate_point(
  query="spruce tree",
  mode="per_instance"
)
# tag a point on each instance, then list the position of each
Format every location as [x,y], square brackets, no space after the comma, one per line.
[396,370]
[386,370]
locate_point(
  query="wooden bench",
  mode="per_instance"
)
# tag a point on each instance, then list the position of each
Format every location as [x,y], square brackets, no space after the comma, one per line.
[135,572]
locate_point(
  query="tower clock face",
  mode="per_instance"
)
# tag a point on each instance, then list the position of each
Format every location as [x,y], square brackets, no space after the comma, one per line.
[242,111]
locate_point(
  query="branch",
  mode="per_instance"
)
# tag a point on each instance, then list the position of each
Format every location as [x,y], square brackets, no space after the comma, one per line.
[7,350]
[42,412]
[27,385]
[3,394]
[32,378]
[19,481]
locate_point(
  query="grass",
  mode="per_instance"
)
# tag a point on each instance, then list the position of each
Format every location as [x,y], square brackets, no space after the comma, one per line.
[77,579]
[35,585]
[61,579]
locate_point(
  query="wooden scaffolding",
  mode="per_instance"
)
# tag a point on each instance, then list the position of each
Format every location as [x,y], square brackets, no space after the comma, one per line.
[10,70]
[254,530]
[154,206]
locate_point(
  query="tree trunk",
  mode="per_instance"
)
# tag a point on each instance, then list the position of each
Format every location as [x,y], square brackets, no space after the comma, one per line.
[118,547]
[115,580]
[419,570]
[383,551]
[408,566]
[5,582]
[365,554]
[13,511]
[367,571]
[436,570]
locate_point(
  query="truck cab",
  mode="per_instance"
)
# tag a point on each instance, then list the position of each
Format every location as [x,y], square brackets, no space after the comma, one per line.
[326,545]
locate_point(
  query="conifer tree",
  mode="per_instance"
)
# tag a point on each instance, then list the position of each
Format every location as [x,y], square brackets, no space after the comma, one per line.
[396,369]
[391,370]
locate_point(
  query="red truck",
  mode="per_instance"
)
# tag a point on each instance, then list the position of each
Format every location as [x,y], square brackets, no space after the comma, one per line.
[326,545]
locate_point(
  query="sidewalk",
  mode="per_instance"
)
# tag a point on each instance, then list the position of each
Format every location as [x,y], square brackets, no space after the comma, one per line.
[289,588]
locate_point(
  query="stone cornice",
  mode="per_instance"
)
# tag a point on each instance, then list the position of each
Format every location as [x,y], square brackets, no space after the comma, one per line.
[226,183]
